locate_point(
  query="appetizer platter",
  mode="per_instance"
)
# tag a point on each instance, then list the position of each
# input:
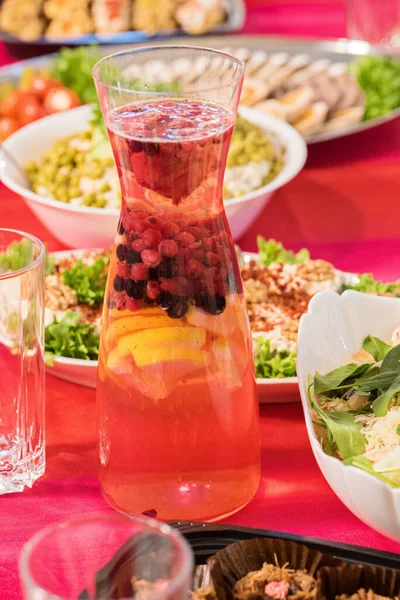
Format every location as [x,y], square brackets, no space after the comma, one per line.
[242,563]
[325,89]
[77,22]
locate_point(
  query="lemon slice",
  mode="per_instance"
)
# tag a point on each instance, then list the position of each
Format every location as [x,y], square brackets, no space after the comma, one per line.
[168,337]
[135,322]
[184,356]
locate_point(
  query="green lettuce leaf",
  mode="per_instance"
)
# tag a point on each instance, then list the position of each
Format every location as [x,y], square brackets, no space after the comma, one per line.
[68,337]
[338,377]
[343,428]
[271,251]
[376,347]
[274,364]
[89,281]
[363,463]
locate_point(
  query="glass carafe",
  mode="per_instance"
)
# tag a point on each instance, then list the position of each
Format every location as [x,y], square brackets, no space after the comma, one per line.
[178,414]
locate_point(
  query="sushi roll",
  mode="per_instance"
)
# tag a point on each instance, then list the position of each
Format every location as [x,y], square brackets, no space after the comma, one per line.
[111,16]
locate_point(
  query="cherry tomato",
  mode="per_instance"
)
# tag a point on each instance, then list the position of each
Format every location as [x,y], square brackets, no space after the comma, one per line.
[8,125]
[29,109]
[40,86]
[8,108]
[60,99]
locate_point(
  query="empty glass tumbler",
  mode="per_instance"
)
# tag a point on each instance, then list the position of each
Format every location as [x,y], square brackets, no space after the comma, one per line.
[22,446]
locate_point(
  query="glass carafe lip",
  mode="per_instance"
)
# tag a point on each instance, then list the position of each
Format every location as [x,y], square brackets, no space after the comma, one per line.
[31,266]
[147,523]
[172,93]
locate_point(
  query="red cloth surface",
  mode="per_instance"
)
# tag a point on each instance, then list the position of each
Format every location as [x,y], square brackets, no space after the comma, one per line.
[344,207]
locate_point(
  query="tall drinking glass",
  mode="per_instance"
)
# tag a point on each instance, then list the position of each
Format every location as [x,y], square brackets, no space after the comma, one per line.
[22,448]
[105,557]
[178,413]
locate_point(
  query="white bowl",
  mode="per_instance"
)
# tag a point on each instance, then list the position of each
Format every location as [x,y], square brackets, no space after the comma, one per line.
[331,332]
[80,226]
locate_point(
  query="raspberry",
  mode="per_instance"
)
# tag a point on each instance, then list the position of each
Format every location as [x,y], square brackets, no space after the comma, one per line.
[197,232]
[194,269]
[118,299]
[140,225]
[212,259]
[153,289]
[128,221]
[132,304]
[138,245]
[185,239]
[209,244]
[155,223]
[121,252]
[184,287]
[169,285]
[170,230]
[195,245]
[199,254]
[139,271]
[168,248]
[151,258]
[123,270]
[151,238]
[182,223]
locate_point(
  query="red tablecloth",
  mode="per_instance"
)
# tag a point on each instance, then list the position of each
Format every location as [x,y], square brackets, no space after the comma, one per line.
[344,207]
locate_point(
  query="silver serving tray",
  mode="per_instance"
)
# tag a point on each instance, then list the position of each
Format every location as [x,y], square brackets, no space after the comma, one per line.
[341,50]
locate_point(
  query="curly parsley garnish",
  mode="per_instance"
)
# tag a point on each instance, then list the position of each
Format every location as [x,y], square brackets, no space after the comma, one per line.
[71,338]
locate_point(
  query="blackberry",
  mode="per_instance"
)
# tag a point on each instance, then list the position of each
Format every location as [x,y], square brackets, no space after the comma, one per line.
[167,268]
[132,256]
[121,252]
[135,289]
[153,274]
[215,305]
[149,301]
[119,284]
[121,228]
[178,308]
[164,300]
[135,146]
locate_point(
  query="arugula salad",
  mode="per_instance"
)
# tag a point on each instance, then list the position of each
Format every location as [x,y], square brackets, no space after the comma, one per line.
[356,409]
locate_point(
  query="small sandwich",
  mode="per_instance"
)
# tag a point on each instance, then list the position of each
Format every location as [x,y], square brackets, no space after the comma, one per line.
[22,19]
[151,16]
[278,583]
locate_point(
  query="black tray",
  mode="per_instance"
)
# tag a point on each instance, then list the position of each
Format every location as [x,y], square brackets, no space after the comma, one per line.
[207,538]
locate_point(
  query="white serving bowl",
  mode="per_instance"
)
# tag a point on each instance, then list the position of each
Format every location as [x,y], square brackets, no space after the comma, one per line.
[331,332]
[81,226]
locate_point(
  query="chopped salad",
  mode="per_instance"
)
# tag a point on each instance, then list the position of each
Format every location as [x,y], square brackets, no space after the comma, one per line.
[356,409]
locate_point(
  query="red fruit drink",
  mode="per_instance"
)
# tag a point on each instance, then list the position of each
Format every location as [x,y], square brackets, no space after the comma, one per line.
[176,390]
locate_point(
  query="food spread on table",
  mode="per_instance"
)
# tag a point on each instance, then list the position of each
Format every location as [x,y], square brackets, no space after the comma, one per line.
[277,288]
[57,19]
[80,169]
[315,96]
[356,411]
